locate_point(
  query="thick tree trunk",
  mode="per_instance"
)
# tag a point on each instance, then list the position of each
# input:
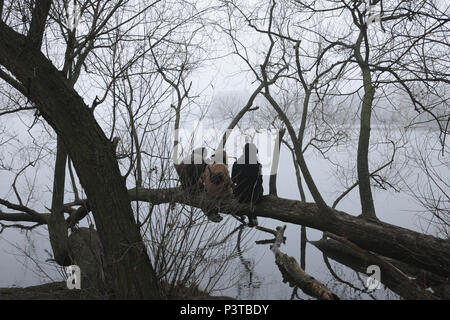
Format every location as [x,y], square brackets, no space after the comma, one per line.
[94,161]
[420,250]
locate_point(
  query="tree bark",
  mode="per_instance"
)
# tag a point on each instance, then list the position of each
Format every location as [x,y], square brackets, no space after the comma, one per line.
[296,276]
[365,191]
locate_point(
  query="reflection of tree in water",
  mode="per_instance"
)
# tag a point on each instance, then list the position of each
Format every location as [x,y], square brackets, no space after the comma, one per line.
[345,288]
[248,281]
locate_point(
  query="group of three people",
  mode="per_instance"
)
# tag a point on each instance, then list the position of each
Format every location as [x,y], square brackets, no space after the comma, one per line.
[198,174]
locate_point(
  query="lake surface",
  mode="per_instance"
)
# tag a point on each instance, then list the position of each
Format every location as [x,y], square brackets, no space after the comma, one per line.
[264,281]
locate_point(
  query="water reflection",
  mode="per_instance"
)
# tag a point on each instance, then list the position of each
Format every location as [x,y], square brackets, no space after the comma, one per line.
[249,282]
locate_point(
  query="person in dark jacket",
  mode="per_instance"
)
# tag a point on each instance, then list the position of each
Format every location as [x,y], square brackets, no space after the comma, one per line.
[247,180]
[190,170]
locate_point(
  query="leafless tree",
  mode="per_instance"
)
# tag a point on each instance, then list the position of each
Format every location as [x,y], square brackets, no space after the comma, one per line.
[313,63]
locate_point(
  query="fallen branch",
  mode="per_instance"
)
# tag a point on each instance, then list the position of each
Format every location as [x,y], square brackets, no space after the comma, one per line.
[295,276]
[408,288]
[414,248]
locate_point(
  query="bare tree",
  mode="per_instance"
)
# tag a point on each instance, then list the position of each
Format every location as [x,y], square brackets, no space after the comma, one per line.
[310,62]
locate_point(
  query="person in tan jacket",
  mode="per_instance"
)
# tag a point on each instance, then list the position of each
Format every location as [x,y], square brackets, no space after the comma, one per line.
[217,181]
